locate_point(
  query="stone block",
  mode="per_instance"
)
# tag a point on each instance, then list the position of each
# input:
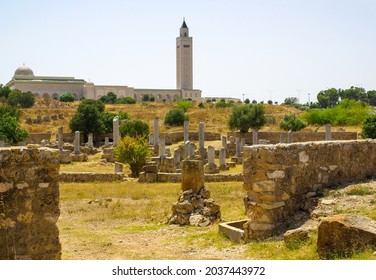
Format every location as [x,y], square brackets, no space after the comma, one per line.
[193,175]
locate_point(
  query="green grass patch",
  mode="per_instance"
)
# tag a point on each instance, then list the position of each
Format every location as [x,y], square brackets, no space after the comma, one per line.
[360,190]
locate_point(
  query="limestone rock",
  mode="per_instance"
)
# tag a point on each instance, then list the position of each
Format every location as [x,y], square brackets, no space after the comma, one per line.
[294,236]
[342,235]
[199,220]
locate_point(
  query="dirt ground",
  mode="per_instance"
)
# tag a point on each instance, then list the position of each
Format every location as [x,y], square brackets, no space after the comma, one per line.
[115,240]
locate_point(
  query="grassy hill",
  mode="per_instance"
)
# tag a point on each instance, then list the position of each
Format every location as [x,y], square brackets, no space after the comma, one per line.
[215,119]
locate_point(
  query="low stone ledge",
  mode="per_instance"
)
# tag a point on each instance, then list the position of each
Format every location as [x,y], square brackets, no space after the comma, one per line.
[176,177]
[83,177]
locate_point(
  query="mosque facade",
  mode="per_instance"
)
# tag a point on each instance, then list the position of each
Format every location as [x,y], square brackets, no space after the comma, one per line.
[52,86]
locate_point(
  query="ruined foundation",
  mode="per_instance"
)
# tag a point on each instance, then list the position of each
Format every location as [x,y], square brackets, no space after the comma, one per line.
[29,204]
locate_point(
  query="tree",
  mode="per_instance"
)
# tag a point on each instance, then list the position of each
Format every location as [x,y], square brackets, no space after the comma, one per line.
[11,131]
[134,128]
[328,98]
[110,98]
[371,95]
[145,97]
[66,97]
[87,118]
[369,127]
[107,119]
[292,122]
[132,151]
[175,117]
[24,99]
[4,91]
[247,101]
[354,93]
[152,98]
[291,101]
[270,102]
[244,117]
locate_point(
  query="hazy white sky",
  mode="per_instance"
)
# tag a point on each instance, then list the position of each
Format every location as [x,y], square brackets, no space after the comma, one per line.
[264,49]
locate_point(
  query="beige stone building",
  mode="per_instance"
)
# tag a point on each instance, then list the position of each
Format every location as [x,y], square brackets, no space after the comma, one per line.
[52,87]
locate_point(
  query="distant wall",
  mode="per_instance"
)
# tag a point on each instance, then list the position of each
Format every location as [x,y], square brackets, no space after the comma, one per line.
[178,136]
[36,138]
[299,136]
[84,177]
[283,179]
[29,203]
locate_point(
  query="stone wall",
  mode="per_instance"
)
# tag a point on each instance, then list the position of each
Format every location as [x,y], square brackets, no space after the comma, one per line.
[176,177]
[282,180]
[299,136]
[178,136]
[84,177]
[38,137]
[29,203]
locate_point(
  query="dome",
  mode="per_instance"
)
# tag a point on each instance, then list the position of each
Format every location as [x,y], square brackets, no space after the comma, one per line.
[24,71]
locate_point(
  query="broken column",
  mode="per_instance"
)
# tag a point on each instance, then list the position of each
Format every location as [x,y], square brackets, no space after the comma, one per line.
[211,167]
[77,155]
[186,131]
[64,154]
[194,206]
[289,136]
[116,132]
[156,135]
[222,159]
[162,147]
[254,137]
[201,141]
[328,132]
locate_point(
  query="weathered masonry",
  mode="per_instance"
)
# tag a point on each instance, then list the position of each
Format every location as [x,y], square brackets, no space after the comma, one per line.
[283,179]
[29,203]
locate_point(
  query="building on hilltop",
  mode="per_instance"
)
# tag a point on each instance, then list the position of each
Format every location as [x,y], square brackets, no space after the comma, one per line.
[52,87]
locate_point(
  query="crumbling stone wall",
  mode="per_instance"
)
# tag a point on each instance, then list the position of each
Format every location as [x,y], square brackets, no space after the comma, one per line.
[298,136]
[283,179]
[29,203]
[89,177]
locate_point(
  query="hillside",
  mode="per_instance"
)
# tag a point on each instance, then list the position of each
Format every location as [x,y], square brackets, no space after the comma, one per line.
[215,119]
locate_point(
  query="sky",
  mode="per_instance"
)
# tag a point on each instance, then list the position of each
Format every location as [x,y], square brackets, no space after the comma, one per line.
[256,49]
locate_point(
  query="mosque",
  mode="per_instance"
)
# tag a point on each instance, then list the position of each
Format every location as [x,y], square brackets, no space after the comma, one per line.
[52,86]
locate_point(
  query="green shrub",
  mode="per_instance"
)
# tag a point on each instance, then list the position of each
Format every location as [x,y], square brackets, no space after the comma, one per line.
[110,98]
[24,99]
[184,105]
[292,122]
[134,152]
[134,128]
[223,104]
[348,112]
[175,117]
[107,119]
[246,116]
[11,131]
[369,127]
[66,97]
[126,100]
[201,105]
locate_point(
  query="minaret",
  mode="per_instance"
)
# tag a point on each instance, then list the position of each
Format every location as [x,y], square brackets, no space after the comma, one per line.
[184,76]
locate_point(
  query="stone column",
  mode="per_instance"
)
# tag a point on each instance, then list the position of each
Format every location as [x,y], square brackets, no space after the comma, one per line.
[222,159]
[116,132]
[177,156]
[118,167]
[254,137]
[151,139]
[106,142]
[224,141]
[60,138]
[186,131]
[281,138]
[2,143]
[193,175]
[289,136]
[192,150]
[328,132]
[242,143]
[211,153]
[238,147]
[77,142]
[232,140]
[187,149]
[201,135]
[162,146]
[90,143]
[156,131]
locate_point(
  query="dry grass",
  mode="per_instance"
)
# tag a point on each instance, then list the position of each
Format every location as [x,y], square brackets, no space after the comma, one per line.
[215,119]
